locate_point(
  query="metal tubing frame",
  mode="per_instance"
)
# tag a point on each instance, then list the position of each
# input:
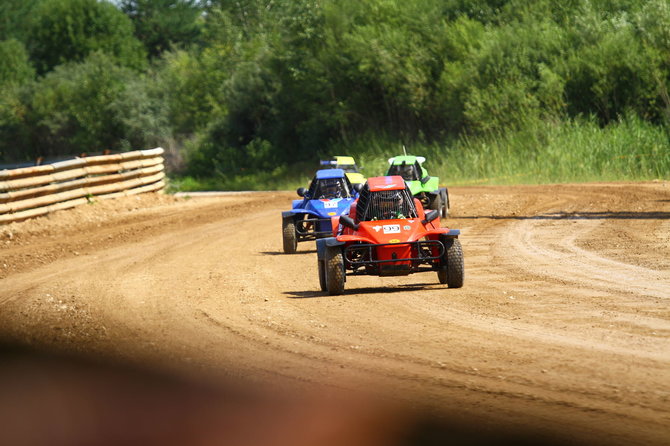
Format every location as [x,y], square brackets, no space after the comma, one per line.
[305,235]
[369,247]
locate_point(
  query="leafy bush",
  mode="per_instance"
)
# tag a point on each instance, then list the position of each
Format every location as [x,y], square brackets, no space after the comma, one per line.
[86,107]
[247,87]
[15,66]
[69,30]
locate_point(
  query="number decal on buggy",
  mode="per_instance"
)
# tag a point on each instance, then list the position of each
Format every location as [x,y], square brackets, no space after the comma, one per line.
[391,229]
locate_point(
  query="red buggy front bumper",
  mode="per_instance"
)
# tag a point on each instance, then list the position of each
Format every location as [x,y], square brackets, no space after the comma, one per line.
[392,259]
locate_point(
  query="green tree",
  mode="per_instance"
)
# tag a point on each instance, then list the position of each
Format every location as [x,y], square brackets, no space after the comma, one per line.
[14,15]
[15,73]
[608,68]
[15,67]
[90,106]
[69,30]
[162,24]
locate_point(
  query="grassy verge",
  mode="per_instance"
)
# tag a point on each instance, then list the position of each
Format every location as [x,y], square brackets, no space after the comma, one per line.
[281,178]
[544,152]
[574,151]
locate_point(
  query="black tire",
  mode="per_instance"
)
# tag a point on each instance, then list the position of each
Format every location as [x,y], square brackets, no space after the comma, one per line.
[334,270]
[436,203]
[445,203]
[289,236]
[442,274]
[322,275]
[453,270]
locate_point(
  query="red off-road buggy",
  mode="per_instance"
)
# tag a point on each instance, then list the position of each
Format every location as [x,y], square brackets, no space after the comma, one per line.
[387,233]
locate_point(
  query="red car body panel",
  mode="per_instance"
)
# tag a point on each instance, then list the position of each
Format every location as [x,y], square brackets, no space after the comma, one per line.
[371,244]
[395,236]
[386,183]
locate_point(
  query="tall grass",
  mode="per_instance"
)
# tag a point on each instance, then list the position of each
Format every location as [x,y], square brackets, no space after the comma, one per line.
[577,150]
[544,152]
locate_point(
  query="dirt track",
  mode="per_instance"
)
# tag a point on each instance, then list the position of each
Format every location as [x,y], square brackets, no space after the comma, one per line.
[563,322]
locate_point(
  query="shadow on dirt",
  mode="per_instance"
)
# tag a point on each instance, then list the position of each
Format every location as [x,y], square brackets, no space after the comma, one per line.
[281,253]
[305,294]
[578,216]
[367,290]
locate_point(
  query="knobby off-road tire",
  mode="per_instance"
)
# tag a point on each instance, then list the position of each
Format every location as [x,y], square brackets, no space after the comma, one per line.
[436,203]
[322,275]
[334,270]
[445,203]
[289,236]
[453,272]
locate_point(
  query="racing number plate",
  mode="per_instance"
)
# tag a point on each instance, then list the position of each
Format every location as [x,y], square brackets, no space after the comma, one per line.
[391,229]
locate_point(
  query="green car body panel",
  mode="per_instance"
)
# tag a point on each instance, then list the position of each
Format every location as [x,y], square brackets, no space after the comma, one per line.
[423,186]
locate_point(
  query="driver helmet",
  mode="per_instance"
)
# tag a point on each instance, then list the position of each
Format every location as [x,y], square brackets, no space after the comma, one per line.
[407,172]
[390,204]
[331,189]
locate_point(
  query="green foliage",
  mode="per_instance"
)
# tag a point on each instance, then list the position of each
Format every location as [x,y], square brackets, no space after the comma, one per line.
[15,67]
[609,70]
[71,106]
[82,107]
[192,88]
[14,16]
[15,72]
[541,152]
[245,87]
[282,177]
[140,109]
[162,24]
[69,30]
[302,76]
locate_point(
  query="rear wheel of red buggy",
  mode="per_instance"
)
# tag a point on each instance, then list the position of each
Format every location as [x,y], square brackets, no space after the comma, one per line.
[289,237]
[334,270]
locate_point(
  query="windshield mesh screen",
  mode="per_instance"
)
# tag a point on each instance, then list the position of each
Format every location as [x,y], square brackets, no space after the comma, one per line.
[388,205]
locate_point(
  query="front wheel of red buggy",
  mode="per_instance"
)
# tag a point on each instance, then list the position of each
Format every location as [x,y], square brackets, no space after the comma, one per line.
[334,270]
[452,270]
[442,274]
[322,275]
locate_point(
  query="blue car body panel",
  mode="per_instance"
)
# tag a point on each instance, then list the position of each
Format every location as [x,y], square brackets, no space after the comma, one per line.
[321,210]
[329,173]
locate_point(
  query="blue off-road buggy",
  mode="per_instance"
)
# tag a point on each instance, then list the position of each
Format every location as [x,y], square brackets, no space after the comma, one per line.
[330,194]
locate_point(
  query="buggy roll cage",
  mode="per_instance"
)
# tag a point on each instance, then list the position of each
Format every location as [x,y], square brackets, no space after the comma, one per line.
[368,207]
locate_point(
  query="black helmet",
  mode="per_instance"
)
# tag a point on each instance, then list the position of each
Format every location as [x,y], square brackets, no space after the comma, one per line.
[389,197]
[331,188]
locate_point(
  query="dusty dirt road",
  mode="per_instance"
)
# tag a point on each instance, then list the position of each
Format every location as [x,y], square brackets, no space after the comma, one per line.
[563,323]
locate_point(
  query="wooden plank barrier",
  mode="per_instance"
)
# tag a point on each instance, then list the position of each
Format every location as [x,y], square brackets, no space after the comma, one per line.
[35,191]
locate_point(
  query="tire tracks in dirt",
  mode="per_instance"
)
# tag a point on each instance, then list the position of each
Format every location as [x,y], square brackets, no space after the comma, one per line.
[545,331]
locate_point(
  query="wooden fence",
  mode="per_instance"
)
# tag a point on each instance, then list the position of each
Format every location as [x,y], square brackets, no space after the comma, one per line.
[33,191]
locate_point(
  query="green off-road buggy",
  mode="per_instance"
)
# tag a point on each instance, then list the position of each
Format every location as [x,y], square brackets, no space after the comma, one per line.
[423,186]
